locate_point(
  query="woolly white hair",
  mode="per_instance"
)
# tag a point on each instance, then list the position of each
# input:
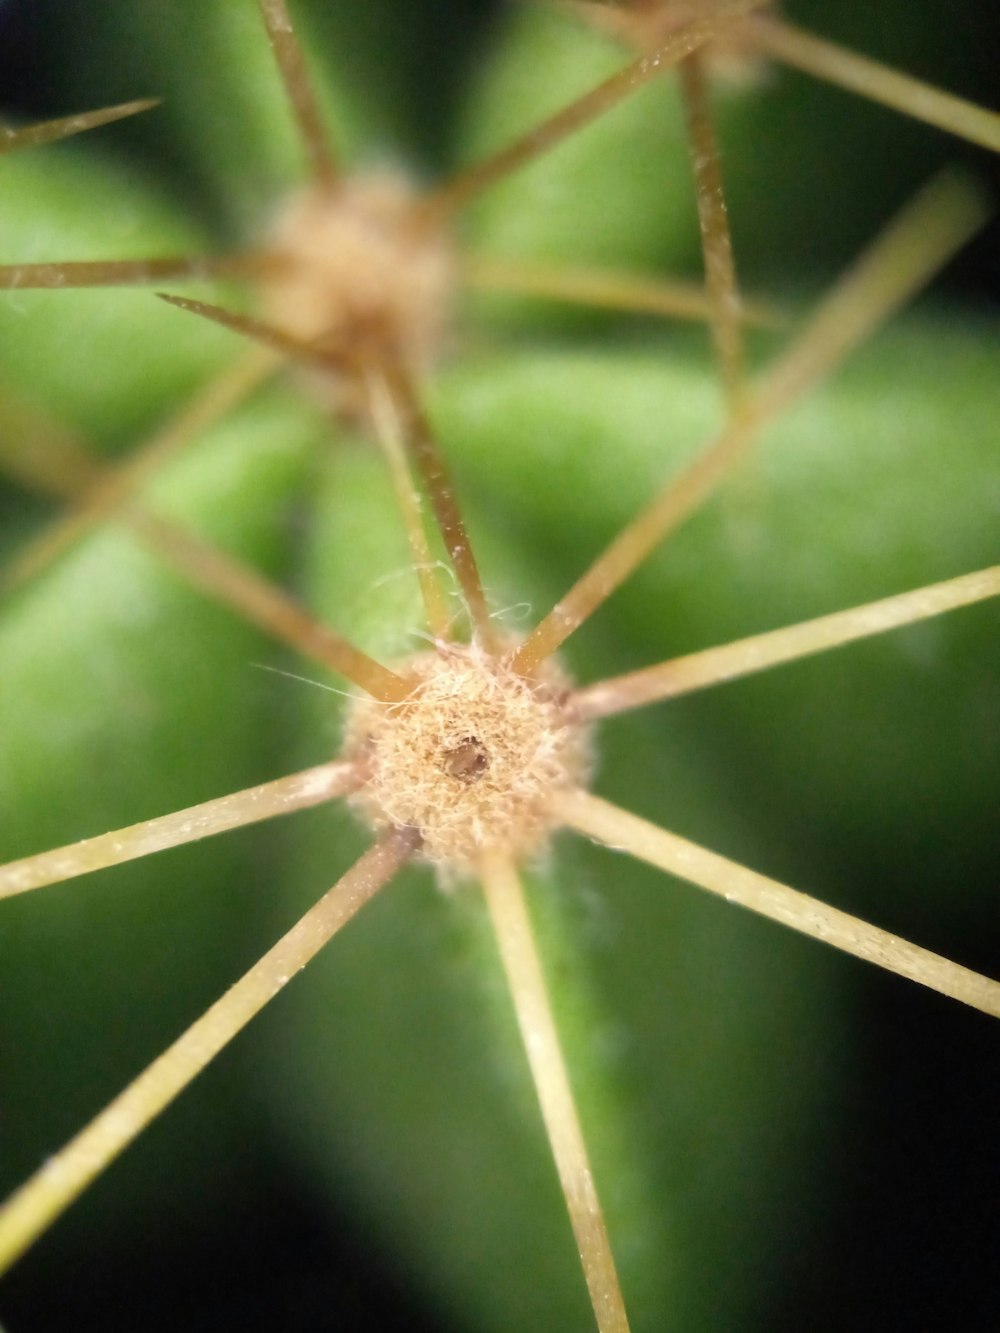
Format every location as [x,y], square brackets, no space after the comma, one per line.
[358,264]
[471,757]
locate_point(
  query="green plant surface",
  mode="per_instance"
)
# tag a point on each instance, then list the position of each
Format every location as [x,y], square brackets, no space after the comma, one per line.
[795,149]
[765,1117]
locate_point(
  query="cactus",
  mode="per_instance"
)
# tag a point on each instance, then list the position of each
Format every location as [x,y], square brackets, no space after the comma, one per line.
[732,1078]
